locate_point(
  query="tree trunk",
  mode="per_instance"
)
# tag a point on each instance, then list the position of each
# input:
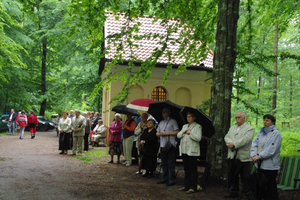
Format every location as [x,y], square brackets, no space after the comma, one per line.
[43,77]
[258,93]
[274,99]
[291,96]
[237,82]
[221,91]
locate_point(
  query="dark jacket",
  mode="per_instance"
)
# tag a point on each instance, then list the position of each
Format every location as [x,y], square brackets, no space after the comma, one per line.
[150,138]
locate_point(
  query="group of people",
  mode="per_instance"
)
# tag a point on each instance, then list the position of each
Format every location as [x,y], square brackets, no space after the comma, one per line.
[20,121]
[149,133]
[78,129]
[264,151]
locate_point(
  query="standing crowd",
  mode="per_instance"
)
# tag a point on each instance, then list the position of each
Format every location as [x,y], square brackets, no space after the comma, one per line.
[151,139]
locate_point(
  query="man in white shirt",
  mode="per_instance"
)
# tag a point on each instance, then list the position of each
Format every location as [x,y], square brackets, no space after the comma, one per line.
[167,131]
[239,141]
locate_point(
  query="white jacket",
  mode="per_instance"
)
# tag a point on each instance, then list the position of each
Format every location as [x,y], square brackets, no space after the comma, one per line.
[242,140]
[189,144]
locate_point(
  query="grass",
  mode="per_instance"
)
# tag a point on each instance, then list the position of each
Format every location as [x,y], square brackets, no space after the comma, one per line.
[93,155]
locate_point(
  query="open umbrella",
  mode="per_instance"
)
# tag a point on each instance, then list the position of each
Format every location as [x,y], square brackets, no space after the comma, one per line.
[124,110]
[208,129]
[155,109]
[140,104]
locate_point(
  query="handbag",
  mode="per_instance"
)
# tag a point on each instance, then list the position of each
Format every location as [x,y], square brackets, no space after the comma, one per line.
[168,146]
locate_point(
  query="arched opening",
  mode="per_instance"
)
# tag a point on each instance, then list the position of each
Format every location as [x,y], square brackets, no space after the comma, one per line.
[159,94]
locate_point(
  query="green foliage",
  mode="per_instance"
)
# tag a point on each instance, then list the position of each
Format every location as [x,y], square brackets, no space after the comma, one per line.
[71,69]
[290,143]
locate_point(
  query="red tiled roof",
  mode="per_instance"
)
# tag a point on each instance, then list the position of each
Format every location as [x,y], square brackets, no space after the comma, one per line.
[145,46]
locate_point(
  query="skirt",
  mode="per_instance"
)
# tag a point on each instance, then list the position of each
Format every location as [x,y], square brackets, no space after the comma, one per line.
[115,148]
[65,141]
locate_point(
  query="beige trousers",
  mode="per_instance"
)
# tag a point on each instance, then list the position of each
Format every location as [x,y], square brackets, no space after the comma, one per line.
[127,149]
[77,144]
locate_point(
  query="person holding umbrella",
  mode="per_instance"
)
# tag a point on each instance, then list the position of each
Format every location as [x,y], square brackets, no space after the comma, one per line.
[189,148]
[148,143]
[167,131]
[239,140]
[128,137]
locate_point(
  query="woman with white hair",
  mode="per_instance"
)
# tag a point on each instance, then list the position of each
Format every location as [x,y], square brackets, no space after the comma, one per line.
[99,132]
[115,138]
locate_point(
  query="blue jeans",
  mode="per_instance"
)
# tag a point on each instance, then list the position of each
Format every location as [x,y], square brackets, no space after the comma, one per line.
[11,127]
[168,164]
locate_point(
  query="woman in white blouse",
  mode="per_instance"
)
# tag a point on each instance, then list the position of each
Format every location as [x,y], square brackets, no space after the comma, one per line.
[65,129]
[189,148]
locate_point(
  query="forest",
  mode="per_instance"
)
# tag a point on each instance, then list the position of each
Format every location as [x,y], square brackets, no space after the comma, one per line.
[50,52]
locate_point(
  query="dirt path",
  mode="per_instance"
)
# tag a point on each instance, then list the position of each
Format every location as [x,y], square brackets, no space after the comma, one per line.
[33,169]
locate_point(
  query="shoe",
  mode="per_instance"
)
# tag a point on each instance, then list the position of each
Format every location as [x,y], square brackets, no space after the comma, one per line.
[124,163]
[170,184]
[111,161]
[60,152]
[183,189]
[190,191]
[231,196]
[161,182]
[145,175]
[127,165]
[73,154]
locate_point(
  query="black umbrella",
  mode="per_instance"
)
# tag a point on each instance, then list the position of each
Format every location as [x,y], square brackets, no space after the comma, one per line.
[124,110]
[155,109]
[208,129]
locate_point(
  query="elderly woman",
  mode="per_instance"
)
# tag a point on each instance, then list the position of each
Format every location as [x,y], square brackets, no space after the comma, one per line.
[148,142]
[115,138]
[189,148]
[65,129]
[265,151]
[139,129]
[99,132]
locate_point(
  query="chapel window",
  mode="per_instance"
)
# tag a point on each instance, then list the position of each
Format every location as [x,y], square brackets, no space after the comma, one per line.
[159,94]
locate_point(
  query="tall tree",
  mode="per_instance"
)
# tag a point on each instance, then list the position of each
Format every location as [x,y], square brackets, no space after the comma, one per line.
[274,97]
[224,63]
